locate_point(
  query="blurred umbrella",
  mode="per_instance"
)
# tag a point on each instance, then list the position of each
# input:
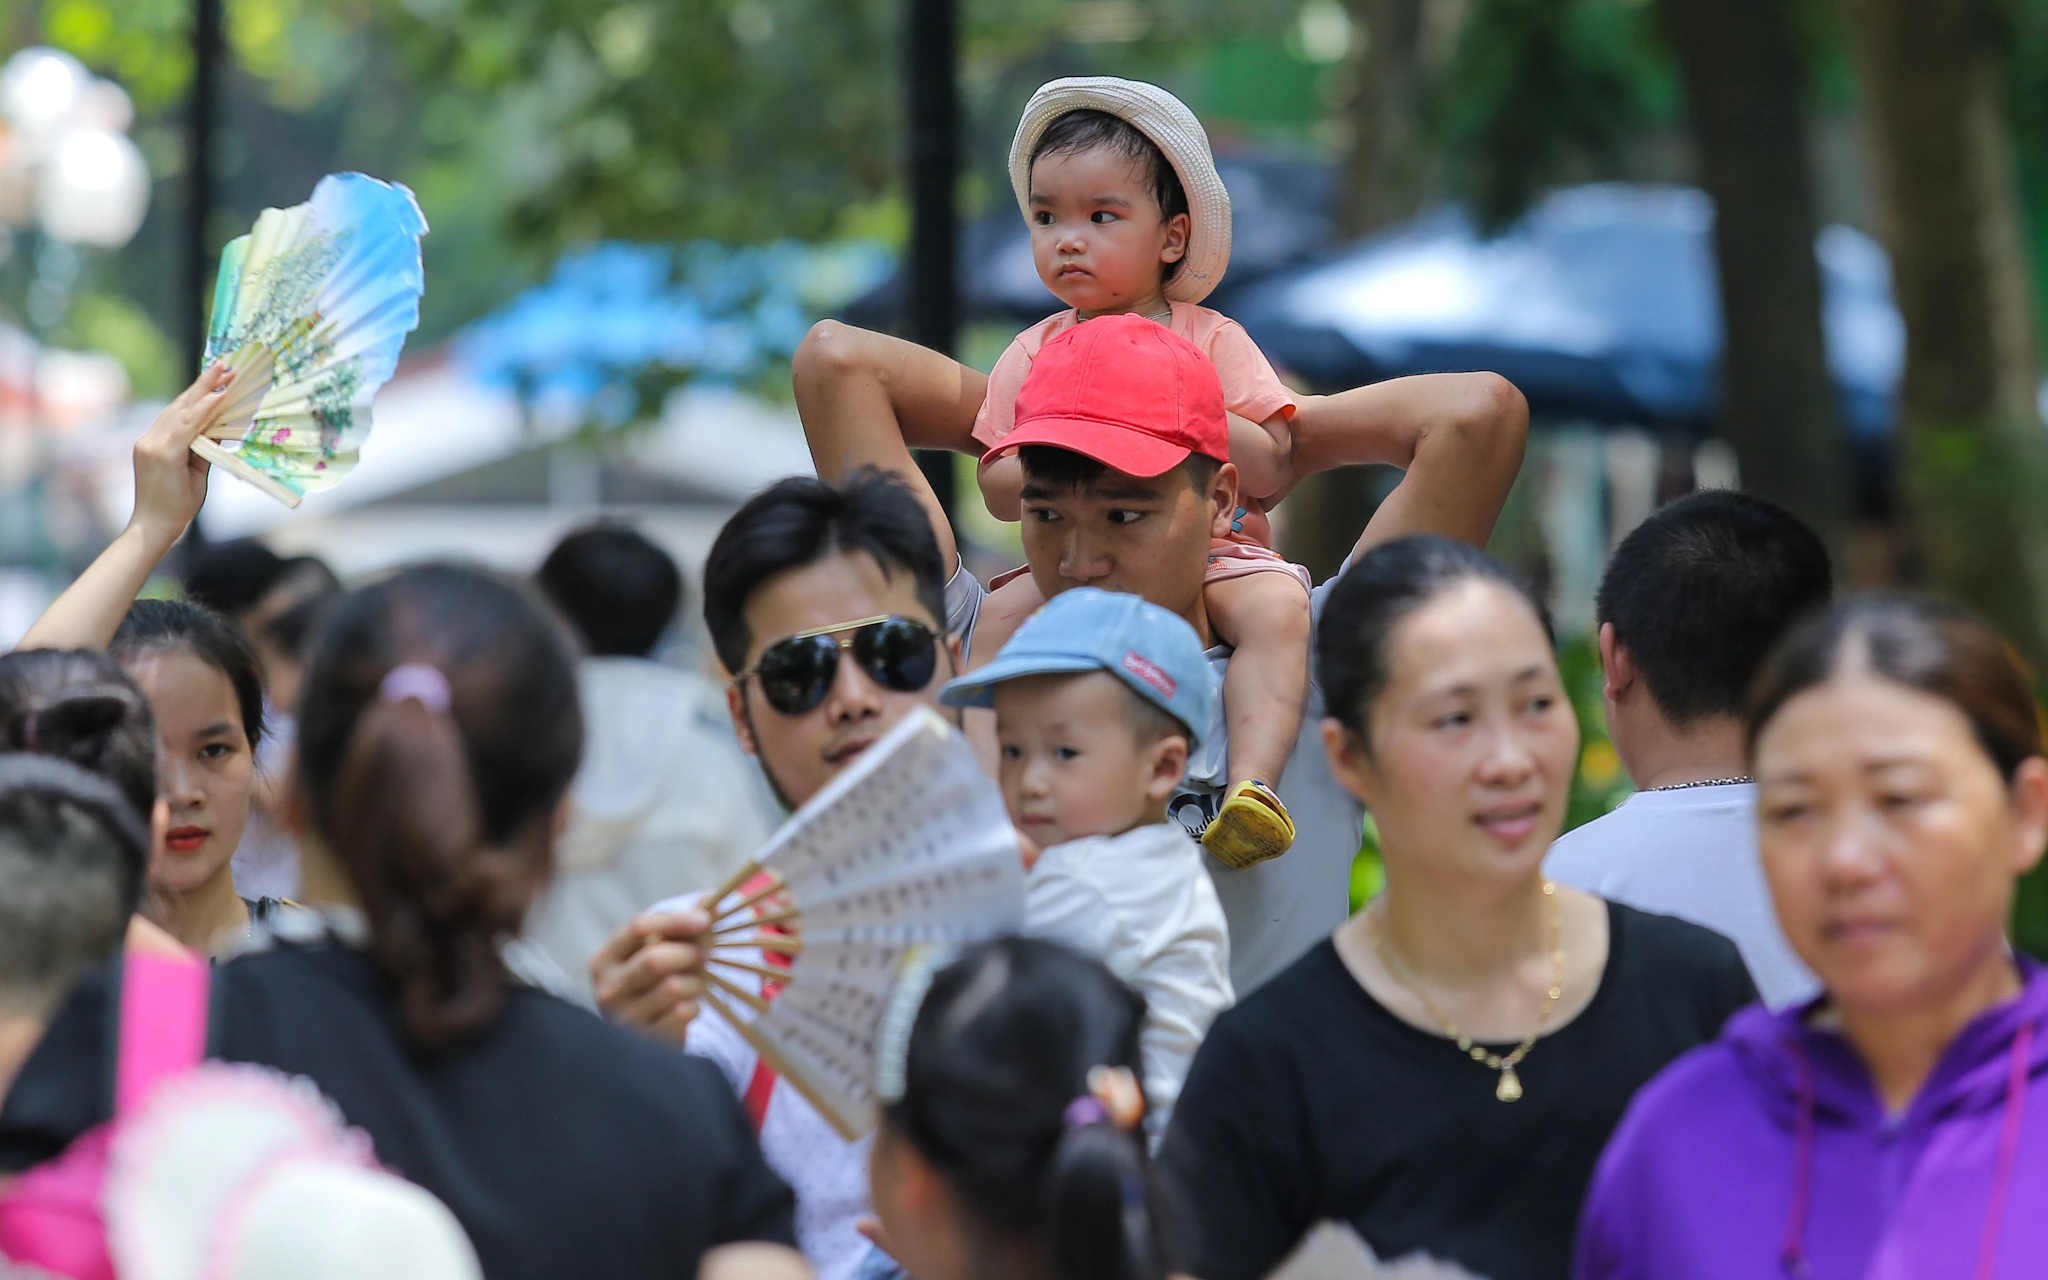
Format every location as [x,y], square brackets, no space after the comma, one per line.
[1600,304]
[619,326]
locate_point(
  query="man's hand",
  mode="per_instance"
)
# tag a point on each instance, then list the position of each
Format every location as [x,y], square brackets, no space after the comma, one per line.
[651,974]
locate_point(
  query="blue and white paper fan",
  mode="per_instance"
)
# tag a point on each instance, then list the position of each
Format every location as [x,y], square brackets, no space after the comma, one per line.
[313,305]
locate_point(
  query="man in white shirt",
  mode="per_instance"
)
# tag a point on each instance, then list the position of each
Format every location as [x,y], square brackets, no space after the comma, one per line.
[665,801]
[829,603]
[1691,603]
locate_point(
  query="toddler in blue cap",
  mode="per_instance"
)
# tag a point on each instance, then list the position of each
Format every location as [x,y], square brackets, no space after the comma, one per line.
[1099,697]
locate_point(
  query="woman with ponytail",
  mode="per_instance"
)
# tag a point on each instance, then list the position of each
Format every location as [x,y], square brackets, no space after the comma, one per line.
[1012,1145]
[439,730]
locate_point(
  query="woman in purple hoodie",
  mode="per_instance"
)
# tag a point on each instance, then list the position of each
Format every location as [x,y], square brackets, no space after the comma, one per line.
[1897,1127]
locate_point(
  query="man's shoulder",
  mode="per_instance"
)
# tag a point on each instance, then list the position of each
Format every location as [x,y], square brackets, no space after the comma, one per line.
[1643,844]
[1584,855]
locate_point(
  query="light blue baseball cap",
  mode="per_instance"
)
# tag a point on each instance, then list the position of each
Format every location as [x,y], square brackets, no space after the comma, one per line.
[1153,651]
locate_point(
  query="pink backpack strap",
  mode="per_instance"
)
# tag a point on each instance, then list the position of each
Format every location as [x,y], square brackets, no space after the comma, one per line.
[164,1001]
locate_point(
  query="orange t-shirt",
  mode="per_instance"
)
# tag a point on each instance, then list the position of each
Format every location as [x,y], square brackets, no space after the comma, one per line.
[1250,387]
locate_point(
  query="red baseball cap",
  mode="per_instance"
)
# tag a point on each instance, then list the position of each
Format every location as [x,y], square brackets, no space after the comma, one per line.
[1125,391]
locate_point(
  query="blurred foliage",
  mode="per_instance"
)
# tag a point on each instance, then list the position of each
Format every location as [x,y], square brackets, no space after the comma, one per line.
[528,127]
[115,325]
[618,328]
[739,120]
[1539,85]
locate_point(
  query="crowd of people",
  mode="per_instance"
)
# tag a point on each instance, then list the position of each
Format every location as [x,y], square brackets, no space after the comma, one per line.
[361,930]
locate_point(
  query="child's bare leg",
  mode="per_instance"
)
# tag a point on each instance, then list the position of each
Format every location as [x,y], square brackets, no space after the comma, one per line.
[867,399]
[1264,454]
[1265,617]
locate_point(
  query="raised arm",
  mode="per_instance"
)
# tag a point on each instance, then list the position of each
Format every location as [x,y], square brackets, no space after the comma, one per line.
[170,485]
[867,399]
[1459,436]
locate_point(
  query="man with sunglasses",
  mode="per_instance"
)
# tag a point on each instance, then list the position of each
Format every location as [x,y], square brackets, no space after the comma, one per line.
[829,604]
[1126,482]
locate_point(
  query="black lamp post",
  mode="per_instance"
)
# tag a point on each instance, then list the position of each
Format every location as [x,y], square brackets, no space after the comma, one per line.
[200,116]
[931,55]
[195,271]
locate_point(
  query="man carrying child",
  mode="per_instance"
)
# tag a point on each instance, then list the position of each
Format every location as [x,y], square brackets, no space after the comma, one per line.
[1125,484]
[1139,491]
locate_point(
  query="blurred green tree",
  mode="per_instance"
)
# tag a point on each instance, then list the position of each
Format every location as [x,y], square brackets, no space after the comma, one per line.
[1744,67]
[1973,457]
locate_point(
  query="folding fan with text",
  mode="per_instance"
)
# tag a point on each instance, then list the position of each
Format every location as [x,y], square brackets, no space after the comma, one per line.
[910,847]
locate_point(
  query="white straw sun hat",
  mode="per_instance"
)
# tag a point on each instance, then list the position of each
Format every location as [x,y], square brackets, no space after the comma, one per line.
[1174,130]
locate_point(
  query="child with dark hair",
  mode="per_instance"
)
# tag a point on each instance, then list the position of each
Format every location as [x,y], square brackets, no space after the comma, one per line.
[665,801]
[1097,698]
[1011,1141]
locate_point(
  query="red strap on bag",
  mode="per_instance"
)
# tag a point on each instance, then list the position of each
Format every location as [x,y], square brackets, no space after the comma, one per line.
[761,1085]
[759,1089]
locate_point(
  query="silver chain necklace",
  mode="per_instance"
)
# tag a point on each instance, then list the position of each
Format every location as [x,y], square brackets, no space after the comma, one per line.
[1738,780]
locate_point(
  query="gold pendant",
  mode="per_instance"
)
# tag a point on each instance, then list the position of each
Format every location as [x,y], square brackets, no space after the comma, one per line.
[1510,1087]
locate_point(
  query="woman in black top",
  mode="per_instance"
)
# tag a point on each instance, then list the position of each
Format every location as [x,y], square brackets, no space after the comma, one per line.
[1443,1072]
[439,731]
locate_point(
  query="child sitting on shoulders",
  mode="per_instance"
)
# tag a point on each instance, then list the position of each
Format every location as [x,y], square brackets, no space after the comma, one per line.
[1128,217]
[1096,700]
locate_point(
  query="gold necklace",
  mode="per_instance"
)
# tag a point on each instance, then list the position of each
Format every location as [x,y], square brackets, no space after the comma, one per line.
[1510,1087]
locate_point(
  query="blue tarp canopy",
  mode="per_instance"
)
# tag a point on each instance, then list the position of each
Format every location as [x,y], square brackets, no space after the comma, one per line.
[1601,303]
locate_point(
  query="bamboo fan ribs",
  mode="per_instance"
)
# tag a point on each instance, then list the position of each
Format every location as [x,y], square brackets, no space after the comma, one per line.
[910,847]
[312,308]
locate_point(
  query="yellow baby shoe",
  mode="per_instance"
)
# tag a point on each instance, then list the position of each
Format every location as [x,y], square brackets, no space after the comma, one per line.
[1251,827]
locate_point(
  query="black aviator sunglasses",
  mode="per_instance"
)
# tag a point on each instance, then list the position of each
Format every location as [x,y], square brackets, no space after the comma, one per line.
[796,672]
